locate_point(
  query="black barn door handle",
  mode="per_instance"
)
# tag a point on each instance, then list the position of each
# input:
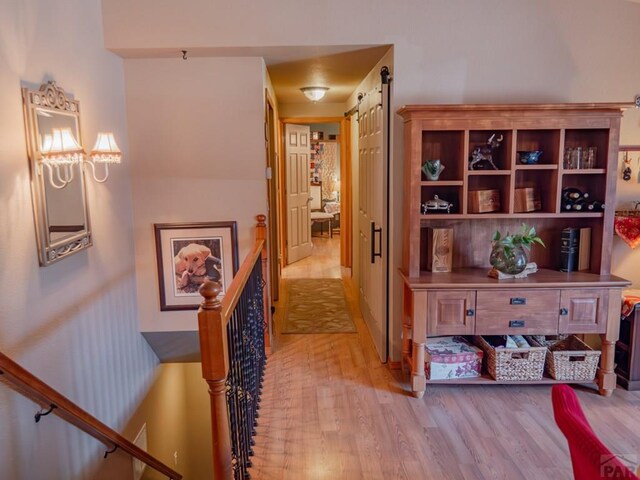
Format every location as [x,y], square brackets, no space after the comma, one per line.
[375,231]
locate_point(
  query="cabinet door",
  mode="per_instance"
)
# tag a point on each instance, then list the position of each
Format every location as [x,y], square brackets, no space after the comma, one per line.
[583,310]
[451,312]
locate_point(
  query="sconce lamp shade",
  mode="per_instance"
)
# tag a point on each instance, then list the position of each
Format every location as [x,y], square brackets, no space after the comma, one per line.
[314,93]
[106,149]
[60,148]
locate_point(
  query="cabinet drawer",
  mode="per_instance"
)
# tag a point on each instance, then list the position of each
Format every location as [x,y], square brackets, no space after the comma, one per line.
[517,312]
[451,312]
[584,310]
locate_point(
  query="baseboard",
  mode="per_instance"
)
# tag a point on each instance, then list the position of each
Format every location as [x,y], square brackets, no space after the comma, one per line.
[394,365]
[627,384]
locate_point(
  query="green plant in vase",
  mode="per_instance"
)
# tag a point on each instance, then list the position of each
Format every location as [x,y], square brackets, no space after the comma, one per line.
[509,252]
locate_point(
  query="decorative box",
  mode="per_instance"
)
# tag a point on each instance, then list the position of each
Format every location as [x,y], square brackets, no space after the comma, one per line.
[451,357]
[439,249]
[526,200]
[484,201]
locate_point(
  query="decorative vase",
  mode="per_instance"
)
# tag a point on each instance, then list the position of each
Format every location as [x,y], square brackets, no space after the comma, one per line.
[511,260]
[432,169]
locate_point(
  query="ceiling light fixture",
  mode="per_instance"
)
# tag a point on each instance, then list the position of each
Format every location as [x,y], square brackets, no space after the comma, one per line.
[314,93]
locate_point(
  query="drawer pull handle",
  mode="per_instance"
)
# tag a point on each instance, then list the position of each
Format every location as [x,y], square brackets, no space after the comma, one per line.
[470,312]
[564,311]
[518,301]
[516,323]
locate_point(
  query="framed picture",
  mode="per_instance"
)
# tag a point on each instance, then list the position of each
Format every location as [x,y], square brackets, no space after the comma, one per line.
[189,254]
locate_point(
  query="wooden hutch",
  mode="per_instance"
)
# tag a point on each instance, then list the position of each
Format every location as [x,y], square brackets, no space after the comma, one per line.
[466,301]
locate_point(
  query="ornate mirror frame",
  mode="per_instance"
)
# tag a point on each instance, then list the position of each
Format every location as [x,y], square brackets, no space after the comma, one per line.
[51,102]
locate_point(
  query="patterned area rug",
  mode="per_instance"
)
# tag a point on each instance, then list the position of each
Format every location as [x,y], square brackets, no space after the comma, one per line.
[317,305]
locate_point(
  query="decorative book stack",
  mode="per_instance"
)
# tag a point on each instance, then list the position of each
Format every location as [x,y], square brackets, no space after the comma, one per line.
[575,249]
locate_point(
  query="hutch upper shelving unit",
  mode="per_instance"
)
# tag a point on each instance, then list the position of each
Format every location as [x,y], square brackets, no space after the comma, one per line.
[466,301]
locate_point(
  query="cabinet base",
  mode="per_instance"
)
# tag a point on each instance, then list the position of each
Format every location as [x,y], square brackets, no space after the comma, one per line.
[627,384]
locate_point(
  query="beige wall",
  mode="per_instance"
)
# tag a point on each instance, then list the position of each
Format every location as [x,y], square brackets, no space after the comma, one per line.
[197,146]
[461,51]
[310,109]
[73,323]
[177,413]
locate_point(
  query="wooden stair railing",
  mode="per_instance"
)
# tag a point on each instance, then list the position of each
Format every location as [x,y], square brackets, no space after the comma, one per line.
[233,335]
[54,402]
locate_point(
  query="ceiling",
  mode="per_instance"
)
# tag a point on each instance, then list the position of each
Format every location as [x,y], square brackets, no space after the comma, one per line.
[339,67]
[342,72]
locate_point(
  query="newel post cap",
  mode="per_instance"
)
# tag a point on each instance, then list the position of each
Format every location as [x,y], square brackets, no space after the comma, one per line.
[210,291]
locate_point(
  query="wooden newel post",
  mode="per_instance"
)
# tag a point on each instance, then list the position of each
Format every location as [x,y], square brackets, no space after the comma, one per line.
[261,234]
[215,367]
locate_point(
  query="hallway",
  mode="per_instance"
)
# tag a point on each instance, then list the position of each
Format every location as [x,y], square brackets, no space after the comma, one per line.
[330,410]
[324,261]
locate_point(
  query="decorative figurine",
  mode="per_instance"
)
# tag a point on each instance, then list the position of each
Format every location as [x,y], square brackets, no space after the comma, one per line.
[432,169]
[436,205]
[482,157]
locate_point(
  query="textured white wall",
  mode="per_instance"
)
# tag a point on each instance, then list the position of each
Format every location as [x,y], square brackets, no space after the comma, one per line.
[197,145]
[73,323]
[459,51]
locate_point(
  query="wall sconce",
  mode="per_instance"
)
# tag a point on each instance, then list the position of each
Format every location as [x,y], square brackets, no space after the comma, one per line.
[60,152]
[314,93]
[104,152]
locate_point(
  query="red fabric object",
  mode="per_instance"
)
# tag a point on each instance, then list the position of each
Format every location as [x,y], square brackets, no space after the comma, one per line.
[628,228]
[590,458]
[629,304]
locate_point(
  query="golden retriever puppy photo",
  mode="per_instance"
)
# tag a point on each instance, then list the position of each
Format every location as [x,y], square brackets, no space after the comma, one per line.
[190,265]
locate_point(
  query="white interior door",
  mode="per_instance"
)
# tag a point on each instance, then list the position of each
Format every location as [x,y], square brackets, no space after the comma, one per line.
[297,152]
[372,211]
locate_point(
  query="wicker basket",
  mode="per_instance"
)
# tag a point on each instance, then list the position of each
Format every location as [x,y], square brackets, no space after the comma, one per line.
[512,364]
[571,359]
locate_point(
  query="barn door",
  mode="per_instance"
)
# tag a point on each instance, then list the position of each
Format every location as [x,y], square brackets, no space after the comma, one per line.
[372,133]
[297,151]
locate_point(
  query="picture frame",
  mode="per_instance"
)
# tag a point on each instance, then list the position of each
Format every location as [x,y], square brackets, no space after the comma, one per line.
[188,254]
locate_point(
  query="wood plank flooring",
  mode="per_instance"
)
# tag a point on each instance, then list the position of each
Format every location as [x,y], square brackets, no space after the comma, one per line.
[330,410]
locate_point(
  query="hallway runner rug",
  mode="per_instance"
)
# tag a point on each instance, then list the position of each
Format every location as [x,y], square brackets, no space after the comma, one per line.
[317,305]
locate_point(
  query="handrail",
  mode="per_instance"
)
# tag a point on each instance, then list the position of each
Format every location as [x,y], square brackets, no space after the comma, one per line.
[214,318]
[231,298]
[27,384]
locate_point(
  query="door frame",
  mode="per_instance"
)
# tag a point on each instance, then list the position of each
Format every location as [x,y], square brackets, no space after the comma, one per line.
[345,184]
[271,125]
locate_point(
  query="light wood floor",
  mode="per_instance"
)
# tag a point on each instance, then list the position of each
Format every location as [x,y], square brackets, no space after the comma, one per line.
[324,261]
[330,410]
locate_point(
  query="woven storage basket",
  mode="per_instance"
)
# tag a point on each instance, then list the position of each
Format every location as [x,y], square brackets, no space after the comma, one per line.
[572,359]
[512,363]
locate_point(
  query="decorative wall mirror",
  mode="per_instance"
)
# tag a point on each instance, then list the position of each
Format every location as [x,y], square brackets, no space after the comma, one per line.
[54,145]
